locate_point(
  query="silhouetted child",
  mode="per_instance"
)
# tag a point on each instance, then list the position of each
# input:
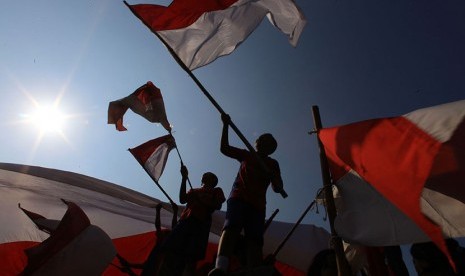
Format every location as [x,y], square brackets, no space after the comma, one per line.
[188,241]
[246,205]
[155,258]
[152,264]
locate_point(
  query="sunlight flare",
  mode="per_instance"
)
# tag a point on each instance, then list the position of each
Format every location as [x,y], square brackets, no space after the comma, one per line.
[48,119]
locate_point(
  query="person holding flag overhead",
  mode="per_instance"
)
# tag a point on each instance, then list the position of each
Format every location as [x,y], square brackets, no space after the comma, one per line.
[247,201]
[188,240]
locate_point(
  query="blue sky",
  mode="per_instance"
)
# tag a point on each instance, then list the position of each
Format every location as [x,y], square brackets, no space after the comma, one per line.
[356,60]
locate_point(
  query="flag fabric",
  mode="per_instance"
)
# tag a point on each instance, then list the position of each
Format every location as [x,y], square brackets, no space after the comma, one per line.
[75,247]
[146,101]
[126,216]
[400,179]
[201,31]
[153,154]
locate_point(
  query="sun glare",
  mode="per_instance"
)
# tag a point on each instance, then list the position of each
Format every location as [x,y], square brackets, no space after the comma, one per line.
[48,119]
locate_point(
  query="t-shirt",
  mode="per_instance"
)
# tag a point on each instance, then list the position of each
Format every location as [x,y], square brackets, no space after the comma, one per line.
[251,181]
[195,203]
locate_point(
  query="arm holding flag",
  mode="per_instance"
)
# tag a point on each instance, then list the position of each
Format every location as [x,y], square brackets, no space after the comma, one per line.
[230,151]
[212,200]
[182,190]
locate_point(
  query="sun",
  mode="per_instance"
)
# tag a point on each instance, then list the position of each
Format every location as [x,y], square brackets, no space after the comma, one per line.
[48,119]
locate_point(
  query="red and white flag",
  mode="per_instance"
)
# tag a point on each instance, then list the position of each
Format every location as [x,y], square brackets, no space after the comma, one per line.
[153,154]
[75,247]
[391,172]
[201,31]
[126,216]
[146,101]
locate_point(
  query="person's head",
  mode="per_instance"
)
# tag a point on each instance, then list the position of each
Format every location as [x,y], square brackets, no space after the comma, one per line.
[209,179]
[429,260]
[323,264]
[266,144]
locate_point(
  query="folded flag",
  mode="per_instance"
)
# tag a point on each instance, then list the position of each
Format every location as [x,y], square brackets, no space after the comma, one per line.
[75,247]
[413,163]
[201,31]
[152,155]
[146,101]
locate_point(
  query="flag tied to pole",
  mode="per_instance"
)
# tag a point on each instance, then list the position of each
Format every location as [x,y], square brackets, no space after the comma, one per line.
[391,172]
[201,31]
[153,154]
[146,101]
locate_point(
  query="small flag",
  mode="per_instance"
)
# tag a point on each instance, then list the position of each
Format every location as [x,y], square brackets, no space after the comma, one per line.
[413,163]
[152,155]
[201,31]
[146,101]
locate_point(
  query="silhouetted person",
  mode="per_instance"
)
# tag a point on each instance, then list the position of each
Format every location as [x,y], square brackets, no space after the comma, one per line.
[155,258]
[246,205]
[188,241]
[323,264]
[152,263]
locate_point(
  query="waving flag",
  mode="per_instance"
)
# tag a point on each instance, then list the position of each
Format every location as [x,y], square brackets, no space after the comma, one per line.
[77,246]
[152,155]
[414,163]
[146,101]
[126,216]
[201,31]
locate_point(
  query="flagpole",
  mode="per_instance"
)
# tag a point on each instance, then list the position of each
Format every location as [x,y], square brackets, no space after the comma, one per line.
[204,91]
[154,180]
[280,246]
[182,163]
[336,241]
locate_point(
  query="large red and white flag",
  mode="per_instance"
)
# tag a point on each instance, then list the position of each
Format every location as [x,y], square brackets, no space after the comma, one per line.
[126,216]
[153,154]
[146,101]
[75,247]
[201,31]
[400,180]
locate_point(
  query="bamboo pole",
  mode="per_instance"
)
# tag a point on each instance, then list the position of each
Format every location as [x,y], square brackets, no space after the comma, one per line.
[182,163]
[336,241]
[283,242]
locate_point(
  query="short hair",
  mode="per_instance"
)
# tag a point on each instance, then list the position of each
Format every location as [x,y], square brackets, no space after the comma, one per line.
[268,143]
[211,178]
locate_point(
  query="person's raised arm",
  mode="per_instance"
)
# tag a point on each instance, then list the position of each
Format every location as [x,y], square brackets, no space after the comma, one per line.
[182,190]
[225,147]
[157,218]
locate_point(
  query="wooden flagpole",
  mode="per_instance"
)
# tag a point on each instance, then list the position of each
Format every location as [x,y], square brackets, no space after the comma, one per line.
[336,241]
[204,91]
